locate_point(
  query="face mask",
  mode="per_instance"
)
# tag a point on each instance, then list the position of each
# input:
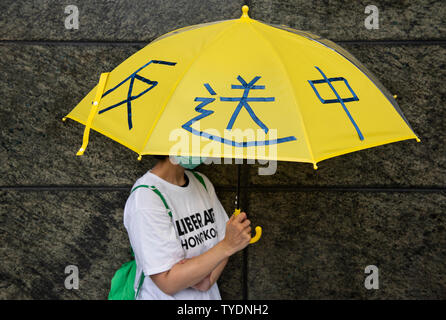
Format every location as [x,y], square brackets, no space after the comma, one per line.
[189,162]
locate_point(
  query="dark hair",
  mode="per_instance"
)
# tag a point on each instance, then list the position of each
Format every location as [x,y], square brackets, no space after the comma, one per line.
[160,157]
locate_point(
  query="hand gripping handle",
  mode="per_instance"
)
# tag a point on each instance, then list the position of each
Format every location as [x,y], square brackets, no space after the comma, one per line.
[258,229]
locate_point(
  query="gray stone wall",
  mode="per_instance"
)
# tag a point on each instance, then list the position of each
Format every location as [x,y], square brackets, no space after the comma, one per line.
[384,206]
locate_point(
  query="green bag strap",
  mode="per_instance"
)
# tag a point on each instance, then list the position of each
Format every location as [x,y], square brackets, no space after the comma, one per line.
[154,189]
[169,212]
[141,280]
[199,178]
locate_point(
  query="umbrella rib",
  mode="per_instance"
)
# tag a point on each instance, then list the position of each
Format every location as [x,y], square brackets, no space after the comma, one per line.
[180,78]
[292,91]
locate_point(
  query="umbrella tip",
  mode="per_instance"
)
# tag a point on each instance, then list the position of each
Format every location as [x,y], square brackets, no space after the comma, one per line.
[314,166]
[139,157]
[245,10]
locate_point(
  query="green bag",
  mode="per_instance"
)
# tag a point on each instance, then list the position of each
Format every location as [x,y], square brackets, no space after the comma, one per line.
[124,279]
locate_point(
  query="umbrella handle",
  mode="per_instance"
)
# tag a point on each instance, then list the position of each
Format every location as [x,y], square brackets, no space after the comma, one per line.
[258,229]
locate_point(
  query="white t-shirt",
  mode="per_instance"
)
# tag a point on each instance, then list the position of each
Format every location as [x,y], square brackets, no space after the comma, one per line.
[158,241]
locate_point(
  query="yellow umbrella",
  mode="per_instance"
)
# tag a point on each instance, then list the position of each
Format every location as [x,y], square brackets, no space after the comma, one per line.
[233,87]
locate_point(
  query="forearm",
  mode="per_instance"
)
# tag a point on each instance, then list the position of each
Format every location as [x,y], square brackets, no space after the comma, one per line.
[215,274]
[187,274]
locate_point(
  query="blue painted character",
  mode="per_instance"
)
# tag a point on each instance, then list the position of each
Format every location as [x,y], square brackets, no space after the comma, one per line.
[134,76]
[243,102]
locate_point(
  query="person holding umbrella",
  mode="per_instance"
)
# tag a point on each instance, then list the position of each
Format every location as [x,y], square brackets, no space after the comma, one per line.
[180,233]
[303,95]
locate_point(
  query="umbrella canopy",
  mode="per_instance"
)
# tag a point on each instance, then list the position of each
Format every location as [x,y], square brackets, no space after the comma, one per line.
[302,94]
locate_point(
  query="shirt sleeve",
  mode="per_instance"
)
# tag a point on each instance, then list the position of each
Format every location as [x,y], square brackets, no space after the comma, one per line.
[152,234]
[221,217]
